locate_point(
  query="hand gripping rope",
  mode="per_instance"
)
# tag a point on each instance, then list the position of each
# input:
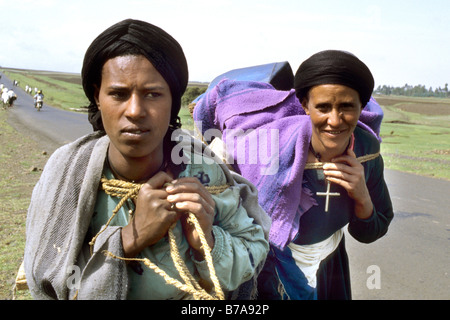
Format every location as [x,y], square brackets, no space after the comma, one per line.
[128,190]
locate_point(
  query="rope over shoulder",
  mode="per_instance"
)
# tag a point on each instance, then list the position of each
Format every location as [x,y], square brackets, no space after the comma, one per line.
[127,190]
[319,165]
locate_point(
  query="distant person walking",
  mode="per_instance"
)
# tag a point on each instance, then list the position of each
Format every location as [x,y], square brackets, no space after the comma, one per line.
[38,97]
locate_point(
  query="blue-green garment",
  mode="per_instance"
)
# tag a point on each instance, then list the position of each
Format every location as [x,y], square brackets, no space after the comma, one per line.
[239,242]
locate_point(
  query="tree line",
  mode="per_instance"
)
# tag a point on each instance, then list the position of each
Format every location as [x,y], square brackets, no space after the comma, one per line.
[191,94]
[414,91]
[407,90]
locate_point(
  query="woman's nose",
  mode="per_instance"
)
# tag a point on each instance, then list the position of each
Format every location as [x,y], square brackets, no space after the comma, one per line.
[334,117]
[134,107]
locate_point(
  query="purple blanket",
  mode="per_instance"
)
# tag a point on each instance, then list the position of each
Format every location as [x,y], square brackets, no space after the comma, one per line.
[268,134]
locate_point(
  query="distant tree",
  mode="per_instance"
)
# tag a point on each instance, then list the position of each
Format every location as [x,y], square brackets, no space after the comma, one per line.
[191,94]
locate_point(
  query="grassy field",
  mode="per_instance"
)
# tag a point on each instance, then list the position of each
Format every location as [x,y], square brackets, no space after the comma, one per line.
[415,136]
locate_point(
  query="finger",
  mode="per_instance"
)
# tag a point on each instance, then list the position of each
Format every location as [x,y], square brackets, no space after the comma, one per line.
[204,216]
[185,200]
[343,171]
[356,190]
[338,176]
[185,184]
[171,206]
[189,206]
[351,153]
[158,180]
[339,181]
[349,160]
[190,186]
[180,197]
[191,202]
[348,178]
[338,166]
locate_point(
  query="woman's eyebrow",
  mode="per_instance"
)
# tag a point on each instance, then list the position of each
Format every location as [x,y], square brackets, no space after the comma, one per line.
[125,87]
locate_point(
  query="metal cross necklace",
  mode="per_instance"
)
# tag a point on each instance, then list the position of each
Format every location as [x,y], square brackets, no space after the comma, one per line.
[328,194]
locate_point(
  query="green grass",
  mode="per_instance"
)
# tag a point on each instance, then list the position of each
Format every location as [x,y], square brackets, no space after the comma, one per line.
[392,113]
[414,142]
[419,149]
[186,118]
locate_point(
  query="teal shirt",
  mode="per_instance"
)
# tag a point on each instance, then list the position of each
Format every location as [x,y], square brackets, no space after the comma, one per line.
[239,242]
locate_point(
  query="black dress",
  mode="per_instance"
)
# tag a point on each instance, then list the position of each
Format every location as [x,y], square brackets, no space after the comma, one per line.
[333,277]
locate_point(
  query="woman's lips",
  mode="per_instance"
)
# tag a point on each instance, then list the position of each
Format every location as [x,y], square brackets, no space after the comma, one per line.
[334,131]
[134,133]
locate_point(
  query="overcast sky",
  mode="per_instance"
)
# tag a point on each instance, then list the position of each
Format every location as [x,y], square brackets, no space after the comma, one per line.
[402,41]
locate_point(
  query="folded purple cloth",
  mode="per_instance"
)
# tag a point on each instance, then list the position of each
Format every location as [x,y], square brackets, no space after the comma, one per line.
[268,134]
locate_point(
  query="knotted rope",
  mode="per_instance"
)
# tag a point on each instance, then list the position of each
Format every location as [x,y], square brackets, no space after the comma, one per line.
[319,165]
[127,190]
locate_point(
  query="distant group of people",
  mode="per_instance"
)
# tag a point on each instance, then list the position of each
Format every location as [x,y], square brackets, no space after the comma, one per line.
[29,89]
[8,96]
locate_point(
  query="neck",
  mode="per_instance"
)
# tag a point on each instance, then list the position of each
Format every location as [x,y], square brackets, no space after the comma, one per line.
[318,152]
[137,170]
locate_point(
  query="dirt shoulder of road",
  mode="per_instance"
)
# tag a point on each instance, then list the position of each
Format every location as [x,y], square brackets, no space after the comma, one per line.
[21,163]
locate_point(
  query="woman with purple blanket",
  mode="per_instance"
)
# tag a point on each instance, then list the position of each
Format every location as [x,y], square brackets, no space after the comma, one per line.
[329,172]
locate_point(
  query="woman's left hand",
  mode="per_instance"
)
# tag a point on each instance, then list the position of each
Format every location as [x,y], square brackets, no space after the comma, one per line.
[348,172]
[189,195]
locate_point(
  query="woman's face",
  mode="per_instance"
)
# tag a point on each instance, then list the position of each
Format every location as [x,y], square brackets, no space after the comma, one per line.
[334,111]
[135,103]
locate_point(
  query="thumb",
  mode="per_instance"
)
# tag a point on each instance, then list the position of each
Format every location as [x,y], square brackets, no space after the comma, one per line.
[159,179]
[351,153]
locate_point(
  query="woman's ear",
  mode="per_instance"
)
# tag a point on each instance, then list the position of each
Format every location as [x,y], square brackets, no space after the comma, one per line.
[304,104]
[96,95]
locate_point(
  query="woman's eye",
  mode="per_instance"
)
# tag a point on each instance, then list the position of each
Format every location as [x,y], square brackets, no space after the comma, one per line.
[119,95]
[348,107]
[153,94]
[322,107]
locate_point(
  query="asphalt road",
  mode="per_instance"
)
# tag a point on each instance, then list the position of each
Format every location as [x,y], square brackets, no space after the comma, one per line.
[51,127]
[413,258]
[410,262]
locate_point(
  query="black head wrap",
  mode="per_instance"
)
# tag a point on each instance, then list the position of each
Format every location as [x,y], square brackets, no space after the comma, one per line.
[135,37]
[334,67]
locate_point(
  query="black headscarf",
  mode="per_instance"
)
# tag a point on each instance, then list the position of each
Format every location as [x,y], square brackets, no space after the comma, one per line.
[334,67]
[135,37]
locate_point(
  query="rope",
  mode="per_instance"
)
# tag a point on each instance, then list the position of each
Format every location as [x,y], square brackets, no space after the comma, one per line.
[319,165]
[128,190]
[117,188]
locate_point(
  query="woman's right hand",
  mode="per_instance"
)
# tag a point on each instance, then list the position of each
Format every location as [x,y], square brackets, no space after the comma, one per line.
[152,218]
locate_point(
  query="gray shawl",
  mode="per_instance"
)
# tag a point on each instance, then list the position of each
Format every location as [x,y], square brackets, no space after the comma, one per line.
[57,261]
